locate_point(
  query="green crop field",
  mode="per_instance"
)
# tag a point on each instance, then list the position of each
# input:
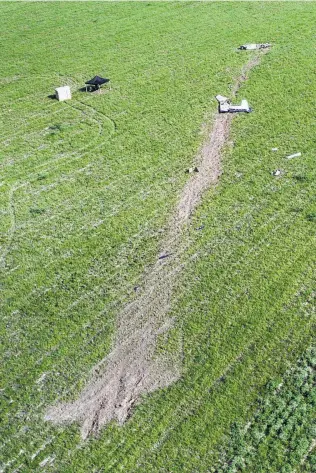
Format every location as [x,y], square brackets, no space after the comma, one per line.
[87,188]
[282,432]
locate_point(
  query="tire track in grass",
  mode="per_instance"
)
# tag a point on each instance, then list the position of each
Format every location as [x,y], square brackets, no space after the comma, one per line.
[11,211]
[248,252]
[132,369]
[91,146]
[190,411]
[195,400]
[198,383]
[187,407]
[240,221]
[260,248]
[190,403]
[72,334]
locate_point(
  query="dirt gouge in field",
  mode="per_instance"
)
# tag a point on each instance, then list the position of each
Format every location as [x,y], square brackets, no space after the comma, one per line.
[133,368]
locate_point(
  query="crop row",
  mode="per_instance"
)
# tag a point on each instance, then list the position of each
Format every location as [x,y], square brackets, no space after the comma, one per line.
[280,434]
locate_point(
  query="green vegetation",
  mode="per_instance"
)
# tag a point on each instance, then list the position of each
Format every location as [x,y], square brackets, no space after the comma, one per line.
[308,464]
[86,188]
[281,433]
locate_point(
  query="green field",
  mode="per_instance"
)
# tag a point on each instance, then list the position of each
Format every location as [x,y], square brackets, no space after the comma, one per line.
[281,434]
[86,190]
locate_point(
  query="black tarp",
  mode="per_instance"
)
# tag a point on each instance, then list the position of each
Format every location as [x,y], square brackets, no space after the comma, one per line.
[97,81]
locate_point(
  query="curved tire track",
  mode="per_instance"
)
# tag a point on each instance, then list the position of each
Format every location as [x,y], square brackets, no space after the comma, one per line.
[132,369]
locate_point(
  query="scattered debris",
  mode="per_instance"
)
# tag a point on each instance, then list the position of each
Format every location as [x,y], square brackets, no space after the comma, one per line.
[274,149]
[164,255]
[277,172]
[222,98]
[95,83]
[243,107]
[225,105]
[190,170]
[251,47]
[63,93]
[295,155]
[133,367]
[200,228]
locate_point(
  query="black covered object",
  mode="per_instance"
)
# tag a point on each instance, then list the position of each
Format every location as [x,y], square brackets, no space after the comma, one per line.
[97,81]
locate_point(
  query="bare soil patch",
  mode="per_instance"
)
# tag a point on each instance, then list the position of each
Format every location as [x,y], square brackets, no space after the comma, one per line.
[132,368]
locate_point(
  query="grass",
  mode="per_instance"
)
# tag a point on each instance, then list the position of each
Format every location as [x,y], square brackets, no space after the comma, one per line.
[280,435]
[87,187]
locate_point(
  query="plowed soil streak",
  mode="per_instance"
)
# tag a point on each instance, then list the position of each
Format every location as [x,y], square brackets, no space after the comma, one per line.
[132,369]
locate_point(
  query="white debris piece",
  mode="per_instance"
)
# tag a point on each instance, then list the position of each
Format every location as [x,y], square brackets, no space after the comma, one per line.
[277,172]
[48,460]
[251,47]
[248,47]
[190,170]
[63,93]
[41,378]
[225,105]
[243,107]
[221,98]
[295,155]
[274,149]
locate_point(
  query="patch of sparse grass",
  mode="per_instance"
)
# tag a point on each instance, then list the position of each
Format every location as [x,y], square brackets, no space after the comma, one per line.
[105,183]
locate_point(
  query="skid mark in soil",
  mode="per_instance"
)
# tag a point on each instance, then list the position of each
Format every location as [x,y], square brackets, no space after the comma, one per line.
[132,368]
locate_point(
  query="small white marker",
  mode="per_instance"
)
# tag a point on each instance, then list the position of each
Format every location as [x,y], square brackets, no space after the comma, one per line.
[295,155]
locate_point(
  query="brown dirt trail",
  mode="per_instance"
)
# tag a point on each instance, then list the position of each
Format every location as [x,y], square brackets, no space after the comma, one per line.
[132,368]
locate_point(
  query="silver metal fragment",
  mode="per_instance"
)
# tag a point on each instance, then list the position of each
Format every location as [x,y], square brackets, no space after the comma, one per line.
[225,106]
[253,46]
